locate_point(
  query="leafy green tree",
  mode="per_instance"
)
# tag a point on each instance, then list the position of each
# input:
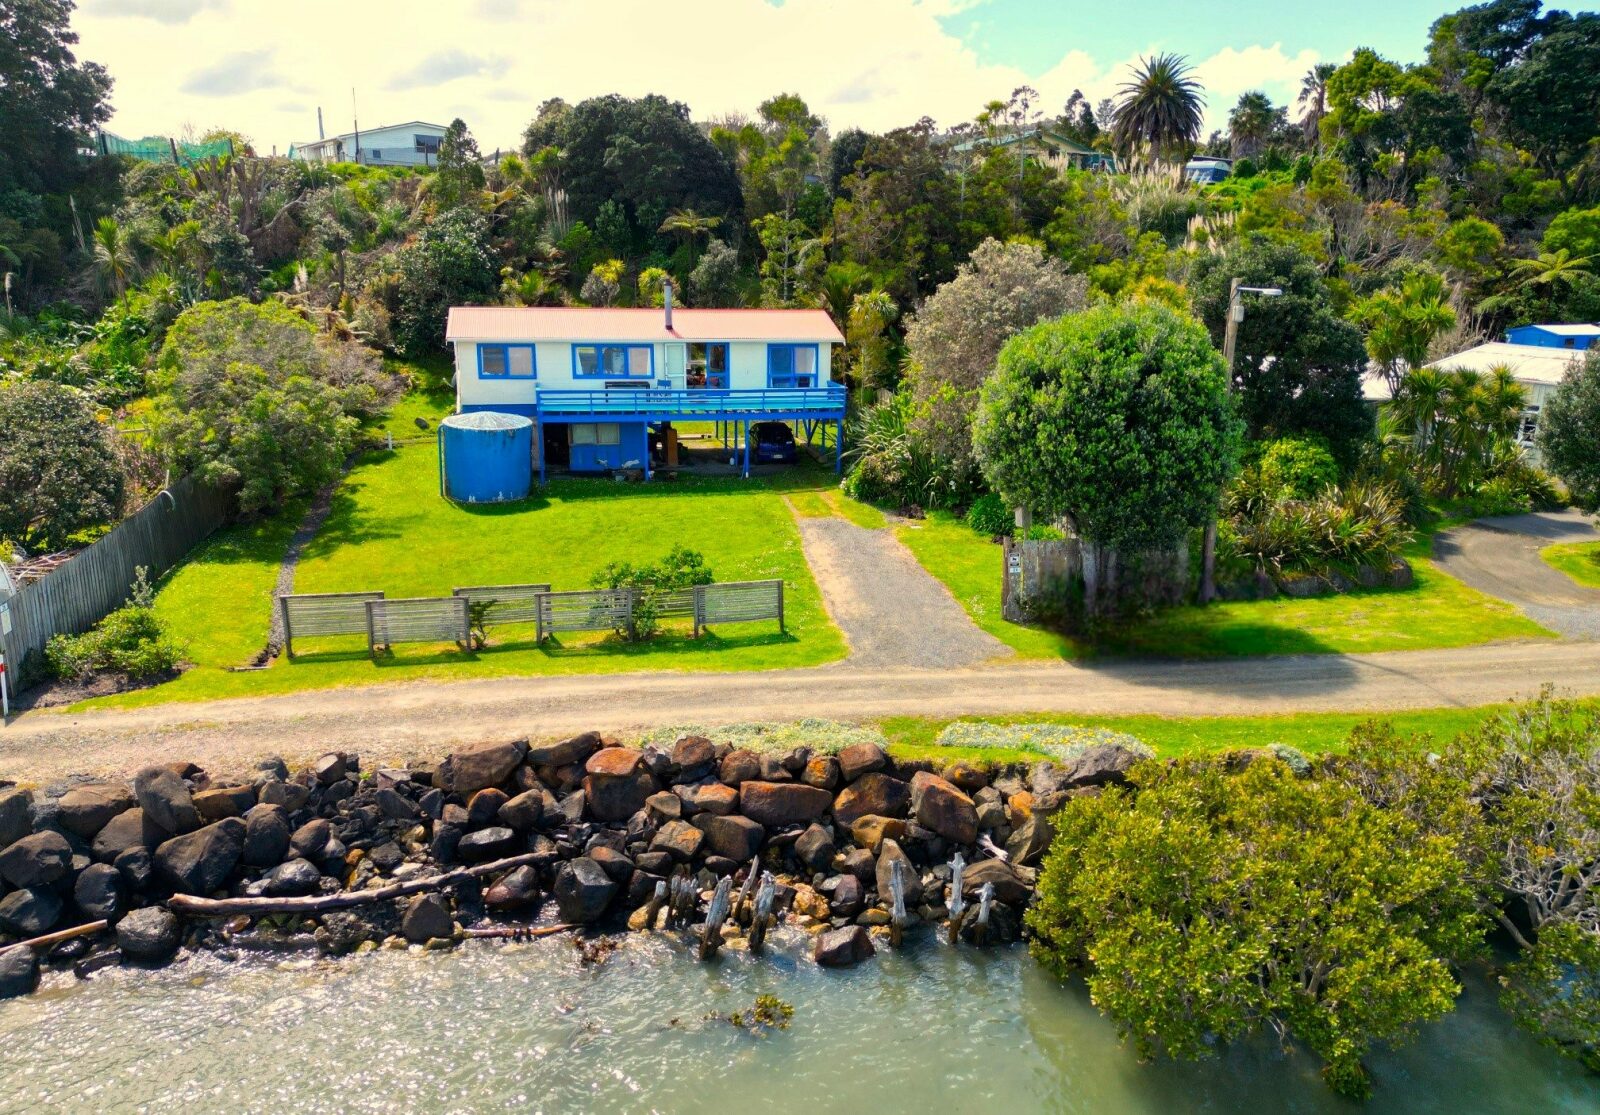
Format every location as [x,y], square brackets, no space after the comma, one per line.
[691,226]
[604,283]
[652,286]
[1569,432]
[1117,419]
[844,157]
[114,260]
[1159,111]
[1204,906]
[1297,365]
[1253,124]
[449,265]
[1313,100]
[251,395]
[459,176]
[1552,269]
[1577,232]
[793,260]
[956,336]
[58,469]
[1382,117]
[1402,323]
[644,155]
[714,282]
[867,331]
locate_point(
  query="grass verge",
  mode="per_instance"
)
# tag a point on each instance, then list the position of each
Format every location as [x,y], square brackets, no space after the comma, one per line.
[1578,560]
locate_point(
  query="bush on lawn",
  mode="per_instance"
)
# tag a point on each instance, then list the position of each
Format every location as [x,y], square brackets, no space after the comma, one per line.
[58,469]
[132,640]
[1569,432]
[682,568]
[990,517]
[1360,525]
[1299,468]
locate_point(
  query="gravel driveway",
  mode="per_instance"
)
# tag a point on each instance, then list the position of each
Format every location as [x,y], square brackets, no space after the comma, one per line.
[1500,556]
[891,610]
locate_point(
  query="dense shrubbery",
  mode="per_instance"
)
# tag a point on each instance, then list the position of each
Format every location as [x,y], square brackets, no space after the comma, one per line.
[990,516]
[1569,432]
[1338,529]
[131,640]
[1206,902]
[58,470]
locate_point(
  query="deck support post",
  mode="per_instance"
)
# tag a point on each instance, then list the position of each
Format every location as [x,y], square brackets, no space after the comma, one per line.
[838,448]
[747,449]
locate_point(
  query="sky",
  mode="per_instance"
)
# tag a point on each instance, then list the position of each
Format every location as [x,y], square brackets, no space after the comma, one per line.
[262,67]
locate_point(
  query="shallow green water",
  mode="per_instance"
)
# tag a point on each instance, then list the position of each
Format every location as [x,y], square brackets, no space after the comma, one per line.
[526,1027]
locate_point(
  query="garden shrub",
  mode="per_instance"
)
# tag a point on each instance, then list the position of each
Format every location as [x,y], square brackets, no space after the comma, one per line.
[1362,524]
[132,640]
[1299,468]
[58,469]
[990,517]
[681,568]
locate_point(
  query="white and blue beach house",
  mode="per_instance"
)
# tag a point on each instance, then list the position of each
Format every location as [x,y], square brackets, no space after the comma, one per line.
[598,382]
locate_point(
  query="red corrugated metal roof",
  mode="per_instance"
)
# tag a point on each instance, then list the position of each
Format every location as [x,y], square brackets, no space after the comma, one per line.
[595,323]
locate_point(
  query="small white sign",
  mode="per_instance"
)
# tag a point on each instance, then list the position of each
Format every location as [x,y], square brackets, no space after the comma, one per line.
[1014,564]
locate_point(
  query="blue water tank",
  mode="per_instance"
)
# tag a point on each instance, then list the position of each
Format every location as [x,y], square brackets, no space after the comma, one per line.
[485,457]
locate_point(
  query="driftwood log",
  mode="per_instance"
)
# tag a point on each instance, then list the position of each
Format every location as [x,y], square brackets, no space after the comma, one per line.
[516,932]
[62,935]
[198,907]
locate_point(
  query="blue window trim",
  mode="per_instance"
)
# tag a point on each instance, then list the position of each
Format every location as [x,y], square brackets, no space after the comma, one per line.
[816,366]
[727,364]
[533,362]
[600,359]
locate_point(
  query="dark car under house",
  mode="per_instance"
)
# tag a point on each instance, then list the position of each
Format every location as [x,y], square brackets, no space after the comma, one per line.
[773,441]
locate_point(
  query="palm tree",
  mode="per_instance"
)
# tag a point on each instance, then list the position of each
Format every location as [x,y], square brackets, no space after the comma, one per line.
[1550,268]
[1159,111]
[113,256]
[1251,124]
[691,226]
[1314,99]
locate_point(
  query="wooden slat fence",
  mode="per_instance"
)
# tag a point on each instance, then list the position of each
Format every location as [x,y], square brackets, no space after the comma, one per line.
[597,609]
[426,619]
[96,580]
[323,613]
[738,602]
[509,603]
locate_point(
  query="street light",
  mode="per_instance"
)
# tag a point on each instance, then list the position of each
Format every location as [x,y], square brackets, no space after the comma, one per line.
[1230,339]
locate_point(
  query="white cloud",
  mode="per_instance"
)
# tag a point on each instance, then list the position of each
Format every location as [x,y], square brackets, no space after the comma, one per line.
[874,65]
[162,11]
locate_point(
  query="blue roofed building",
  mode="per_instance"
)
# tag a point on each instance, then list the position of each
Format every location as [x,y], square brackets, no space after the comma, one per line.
[1581,336]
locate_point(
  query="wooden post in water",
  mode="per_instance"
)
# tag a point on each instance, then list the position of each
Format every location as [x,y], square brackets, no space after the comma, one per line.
[716,914]
[766,894]
[740,911]
[958,902]
[897,908]
[652,909]
[985,900]
[684,898]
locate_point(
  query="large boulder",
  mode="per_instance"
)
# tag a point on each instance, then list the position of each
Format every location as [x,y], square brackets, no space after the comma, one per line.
[564,752]
[525,811]
[151,934]
[583,890]
[330,768]
[1029,841]
[871,831]
[488,844]
[427,918]
[517,889]
[693,756]
[679,838]
[100,892]
[85,810]
[16,814]
[224,801]
[859,759]
[30,912]
[199,862]
[776,804]
[311,839]
[943,808]
[732,836]
[37,860]
[166,800]
[842,948]
[266,835]
[872,793]
[815,848]
[740,766]
[708,797]
[890,854]
[821,771]
[616,784]
[1101,765]
[126,831]
[1008,886]
[19,972]
[292,878]
[485,764]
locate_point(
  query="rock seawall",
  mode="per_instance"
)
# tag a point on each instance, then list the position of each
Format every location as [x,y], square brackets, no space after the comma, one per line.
[502,834]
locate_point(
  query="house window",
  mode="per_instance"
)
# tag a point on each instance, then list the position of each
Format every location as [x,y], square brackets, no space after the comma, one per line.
[613,361]
[506,362]
[791,366]
[596,433]
[708,367]
[1530,425]
[427,144]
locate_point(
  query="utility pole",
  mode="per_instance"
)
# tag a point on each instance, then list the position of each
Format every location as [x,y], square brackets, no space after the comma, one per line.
[356,123]
[1230,342]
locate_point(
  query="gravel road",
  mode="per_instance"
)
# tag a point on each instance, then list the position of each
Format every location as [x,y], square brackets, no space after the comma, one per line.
[1500,556]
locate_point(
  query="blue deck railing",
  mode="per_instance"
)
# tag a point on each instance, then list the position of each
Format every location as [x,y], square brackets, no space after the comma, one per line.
[665,404]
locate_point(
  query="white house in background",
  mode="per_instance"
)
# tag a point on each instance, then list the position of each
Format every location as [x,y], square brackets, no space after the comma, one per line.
[413,144]
[1538,363]
[598,381]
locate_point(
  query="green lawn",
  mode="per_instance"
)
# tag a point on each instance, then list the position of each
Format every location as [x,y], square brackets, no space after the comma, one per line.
[1438,611]
[1311,732]
[823,503]
[1578,560]
[389,530]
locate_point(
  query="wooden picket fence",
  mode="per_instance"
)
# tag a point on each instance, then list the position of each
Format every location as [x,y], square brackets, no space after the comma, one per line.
[324,613]
[425,619]
[97,580]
